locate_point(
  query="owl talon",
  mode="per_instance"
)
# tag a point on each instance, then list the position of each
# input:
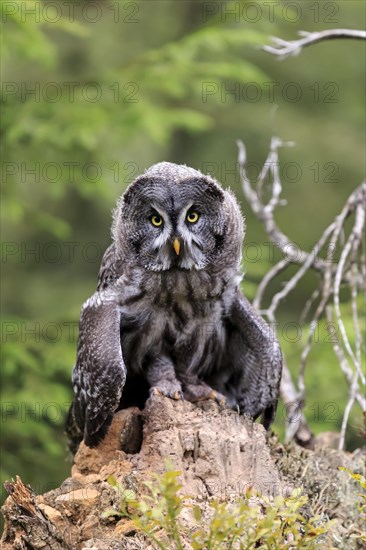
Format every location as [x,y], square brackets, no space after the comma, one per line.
[221,400]
[218,397]
[177,395]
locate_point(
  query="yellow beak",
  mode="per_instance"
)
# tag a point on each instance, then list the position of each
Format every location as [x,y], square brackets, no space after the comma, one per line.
[176,246]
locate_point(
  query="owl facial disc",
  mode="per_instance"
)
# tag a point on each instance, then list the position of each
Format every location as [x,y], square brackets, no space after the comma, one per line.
[174,217]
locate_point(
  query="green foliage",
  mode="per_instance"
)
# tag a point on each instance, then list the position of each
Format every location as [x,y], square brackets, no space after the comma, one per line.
[252,521]
[127,500]
[35,401]
[27,37]
[152,93]
[361,480]
[161,509]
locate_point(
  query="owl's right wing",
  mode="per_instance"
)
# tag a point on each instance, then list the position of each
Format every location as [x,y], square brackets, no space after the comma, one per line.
[99,373]
[111,268]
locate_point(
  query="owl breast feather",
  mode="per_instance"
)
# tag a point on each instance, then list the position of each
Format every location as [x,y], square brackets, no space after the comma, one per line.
[184,322]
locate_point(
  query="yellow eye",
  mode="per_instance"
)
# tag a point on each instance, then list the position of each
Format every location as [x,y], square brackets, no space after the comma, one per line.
[192,217]
[157,221]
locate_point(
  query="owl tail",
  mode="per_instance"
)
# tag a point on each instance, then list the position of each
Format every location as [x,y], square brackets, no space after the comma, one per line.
[73,432]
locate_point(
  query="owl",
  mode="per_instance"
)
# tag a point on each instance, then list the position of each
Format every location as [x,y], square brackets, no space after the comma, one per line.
[168,316]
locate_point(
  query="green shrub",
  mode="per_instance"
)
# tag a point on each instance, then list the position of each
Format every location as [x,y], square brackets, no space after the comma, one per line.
[252,521]
[361,480]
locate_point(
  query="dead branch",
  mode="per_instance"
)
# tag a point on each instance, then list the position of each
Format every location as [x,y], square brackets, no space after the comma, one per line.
[284,48]
[352,245]
[332,274]
[342,359]
[264,212]
[27,525]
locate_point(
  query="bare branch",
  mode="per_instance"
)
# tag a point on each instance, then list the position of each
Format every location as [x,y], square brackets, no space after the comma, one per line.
[284,48]
[332,273]
[326,287]
[352,243]
[356,324]
[264,212]
[270,275]
[342,360]
[291,284]
[308,304]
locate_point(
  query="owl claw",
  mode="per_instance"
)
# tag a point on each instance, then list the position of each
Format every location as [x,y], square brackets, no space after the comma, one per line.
[220,399]
[177,395]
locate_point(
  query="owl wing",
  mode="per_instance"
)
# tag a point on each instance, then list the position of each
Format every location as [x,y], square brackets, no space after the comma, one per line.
[99,373]
[256,358]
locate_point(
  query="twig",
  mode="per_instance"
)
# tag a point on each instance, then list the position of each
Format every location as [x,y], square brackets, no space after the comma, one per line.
[347,410]
[269,276]
[356,324]
[284,48]
[308,304]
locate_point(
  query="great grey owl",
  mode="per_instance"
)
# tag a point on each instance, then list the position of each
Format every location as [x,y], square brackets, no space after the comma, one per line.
[168,315]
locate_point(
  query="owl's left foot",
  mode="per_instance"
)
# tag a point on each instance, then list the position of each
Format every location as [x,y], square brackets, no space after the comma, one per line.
[201,392]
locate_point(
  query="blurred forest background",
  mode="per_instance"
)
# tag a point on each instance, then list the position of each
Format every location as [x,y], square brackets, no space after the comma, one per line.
[95,92]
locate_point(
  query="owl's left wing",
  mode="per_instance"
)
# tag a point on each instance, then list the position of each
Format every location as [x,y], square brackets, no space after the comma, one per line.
[256,359]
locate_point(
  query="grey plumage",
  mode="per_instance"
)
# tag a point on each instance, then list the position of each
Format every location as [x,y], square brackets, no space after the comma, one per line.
[168,315]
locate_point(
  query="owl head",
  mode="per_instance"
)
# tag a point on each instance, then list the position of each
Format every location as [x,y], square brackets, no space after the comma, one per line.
[175,217]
